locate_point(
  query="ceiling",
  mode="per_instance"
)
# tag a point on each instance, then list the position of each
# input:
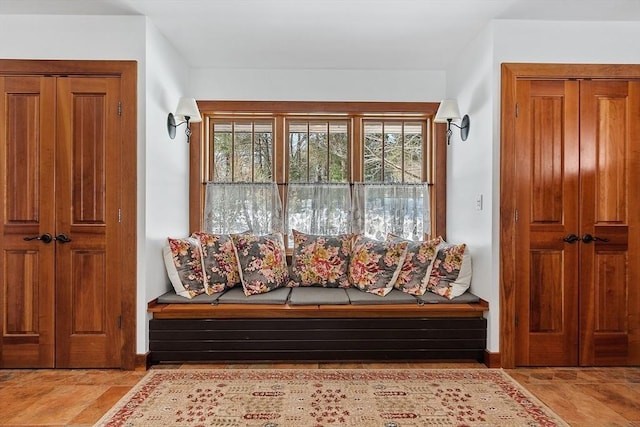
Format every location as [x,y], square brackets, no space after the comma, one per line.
[328,34]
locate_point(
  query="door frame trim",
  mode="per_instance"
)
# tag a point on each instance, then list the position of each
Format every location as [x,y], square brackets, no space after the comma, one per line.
[127,71]
[510,73]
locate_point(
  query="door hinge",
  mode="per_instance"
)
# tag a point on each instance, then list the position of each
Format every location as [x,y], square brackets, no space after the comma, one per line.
[119,215]
[516,216]
[516,110]
[120,321]
[120,108]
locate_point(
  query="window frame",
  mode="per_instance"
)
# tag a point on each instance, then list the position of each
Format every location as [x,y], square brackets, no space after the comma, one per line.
[281,111]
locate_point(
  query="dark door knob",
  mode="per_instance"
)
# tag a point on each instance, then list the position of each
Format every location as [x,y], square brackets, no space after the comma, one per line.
[45,238]
[571,238]
[63,238]
[588,238]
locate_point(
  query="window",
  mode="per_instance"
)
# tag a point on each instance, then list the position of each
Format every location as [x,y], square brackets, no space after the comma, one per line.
[241,151]
[318,150]
[312,150]
[393,151]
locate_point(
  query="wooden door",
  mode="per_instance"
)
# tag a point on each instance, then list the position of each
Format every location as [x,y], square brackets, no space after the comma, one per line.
[60,298]
[547,179]
[609,213]
[88,300]
[27,139]
[576,231]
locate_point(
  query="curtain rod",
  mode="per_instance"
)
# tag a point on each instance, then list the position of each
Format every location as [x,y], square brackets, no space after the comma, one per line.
[408,184]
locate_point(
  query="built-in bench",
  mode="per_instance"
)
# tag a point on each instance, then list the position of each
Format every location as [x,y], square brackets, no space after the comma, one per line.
[317,324]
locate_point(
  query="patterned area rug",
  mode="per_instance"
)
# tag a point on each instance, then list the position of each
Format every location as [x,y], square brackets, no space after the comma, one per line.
[341,397]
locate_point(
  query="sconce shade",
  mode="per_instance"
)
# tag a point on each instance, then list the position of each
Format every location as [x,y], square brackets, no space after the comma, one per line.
[187,107]
[186,111]
[448,110]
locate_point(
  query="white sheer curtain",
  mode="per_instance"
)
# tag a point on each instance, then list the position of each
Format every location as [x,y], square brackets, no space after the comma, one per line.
[398,208]
[237,207]
[318,208]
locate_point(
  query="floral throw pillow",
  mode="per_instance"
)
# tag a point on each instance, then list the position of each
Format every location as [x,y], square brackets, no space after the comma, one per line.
[451,271]
[183,261]
[374,265]
[417,265]
[320,260]
[262,261]
[220,262]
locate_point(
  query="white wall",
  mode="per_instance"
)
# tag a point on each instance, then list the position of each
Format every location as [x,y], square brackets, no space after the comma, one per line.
[566,42]
[474,166]
[166,171]
[72,37]
[162,163]
[317,85]
[474,79]
[469,171]
[90,38]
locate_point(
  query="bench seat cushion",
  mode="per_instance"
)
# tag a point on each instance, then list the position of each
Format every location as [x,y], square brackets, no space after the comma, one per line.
[172,298]
[358,297]
[315,296]
[318,296]
[465,298]
[236,296]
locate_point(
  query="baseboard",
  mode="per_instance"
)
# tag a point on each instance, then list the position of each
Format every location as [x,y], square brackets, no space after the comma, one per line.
[143,361]
[492,360]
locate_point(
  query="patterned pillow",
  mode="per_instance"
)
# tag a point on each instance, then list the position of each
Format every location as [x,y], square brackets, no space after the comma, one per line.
[262,261]
[183,261]
[320,260]
[451,272]
[417,264]
[220,262]
[374,265]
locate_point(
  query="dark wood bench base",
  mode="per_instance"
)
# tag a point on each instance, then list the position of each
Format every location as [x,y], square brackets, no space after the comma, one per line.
[318,339]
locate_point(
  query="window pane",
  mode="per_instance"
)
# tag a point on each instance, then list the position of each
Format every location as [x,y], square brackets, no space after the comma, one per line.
[338,152]
[242,156]
[242,151]
[412,152]
[298,151]
[263,149]
[318,146]
[318,151]
[222,151]
[393,151]
[373,151]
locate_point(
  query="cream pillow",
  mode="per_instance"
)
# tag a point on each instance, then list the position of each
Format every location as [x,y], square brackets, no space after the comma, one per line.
[451,271]
[183,261]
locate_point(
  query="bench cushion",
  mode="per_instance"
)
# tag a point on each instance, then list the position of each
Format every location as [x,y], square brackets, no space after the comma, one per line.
[236,296]
[172,298]
[465,298]
[318,296]
[358,297]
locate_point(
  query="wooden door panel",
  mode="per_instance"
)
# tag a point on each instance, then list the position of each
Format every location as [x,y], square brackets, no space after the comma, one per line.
[88,160]
[608,292]
[547,200]
[26,187]
[546,301]
[88,290]
[88,281]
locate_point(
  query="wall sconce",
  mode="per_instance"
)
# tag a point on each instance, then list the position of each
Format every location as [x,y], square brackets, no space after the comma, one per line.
[447,113]
[187,111]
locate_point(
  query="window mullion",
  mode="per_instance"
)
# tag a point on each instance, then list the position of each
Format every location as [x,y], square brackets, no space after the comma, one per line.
[233,150]
[402,141]
[308,158]
[382,152]
[327,178]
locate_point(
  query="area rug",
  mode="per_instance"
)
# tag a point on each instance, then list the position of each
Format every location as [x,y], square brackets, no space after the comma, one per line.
[329,397]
